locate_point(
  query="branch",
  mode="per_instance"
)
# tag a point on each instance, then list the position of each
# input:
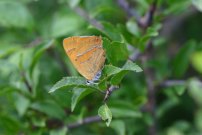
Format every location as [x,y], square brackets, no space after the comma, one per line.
[151,104]
[135,55]
[85,121]
[92,119]
[147,21]
[109,92]
[96,118]
[86,16]
[27,84]
[169,83]
[34,43]
[130,12]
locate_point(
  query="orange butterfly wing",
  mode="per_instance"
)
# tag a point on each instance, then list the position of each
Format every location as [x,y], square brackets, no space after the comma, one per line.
[86,53]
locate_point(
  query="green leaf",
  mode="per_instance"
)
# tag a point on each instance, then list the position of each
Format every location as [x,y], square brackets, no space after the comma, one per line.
[107,13]
[110,70]
[50,108]
[143,4]
[151,32]
[103,84]
[35,78]
[181,61]
[112,32]
[130,39]
[165,106]
[180,89]
[14,14]
[119,127]
[9,125]
[179,128]
[6,89]
[105,113]
[115,51]
[70,82]
[119,73]
[8,50]
[21,103]
[40,50]
[116,79]
[93,5]
[197,4]
[62,131]
[133,28]
[129,65]
[78,94]
[21,58]
[124,109]
[107,72]
[196,60]
[73,3]
[198,119]
[177,7]
[195,86]
[38,122]
[125,112]
[64,23]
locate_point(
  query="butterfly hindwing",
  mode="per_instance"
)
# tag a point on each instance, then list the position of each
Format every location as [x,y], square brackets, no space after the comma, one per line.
[86,54]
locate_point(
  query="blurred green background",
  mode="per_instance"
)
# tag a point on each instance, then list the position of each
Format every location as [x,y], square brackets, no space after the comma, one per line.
[164,99]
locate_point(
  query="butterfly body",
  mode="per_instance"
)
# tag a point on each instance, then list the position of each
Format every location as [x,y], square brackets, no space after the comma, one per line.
[87,54]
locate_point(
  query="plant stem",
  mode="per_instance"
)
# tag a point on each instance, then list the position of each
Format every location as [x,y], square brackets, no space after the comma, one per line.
[87,17]
[87,120]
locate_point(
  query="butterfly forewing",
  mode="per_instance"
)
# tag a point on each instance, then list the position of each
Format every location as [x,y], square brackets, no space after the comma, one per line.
[86,54]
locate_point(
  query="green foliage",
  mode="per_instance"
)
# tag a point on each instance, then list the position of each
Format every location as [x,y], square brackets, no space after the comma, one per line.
[194,90]
[62,131]
[197,4]
[49,108]
[17,15]
[78,94]
[37,54]
[181,61]
[105,113]
[196,60]
[111,32]
[116,51]
[61,20]
[118,73]
[151,32]
[21,104]
[119,127]
[73,3]
[42,93]
[69,82]
[132,27]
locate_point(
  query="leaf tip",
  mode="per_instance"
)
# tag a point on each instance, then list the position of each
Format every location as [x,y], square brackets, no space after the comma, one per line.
[51,90]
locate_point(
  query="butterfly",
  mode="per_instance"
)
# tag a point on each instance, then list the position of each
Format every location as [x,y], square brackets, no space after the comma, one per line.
[87,55]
